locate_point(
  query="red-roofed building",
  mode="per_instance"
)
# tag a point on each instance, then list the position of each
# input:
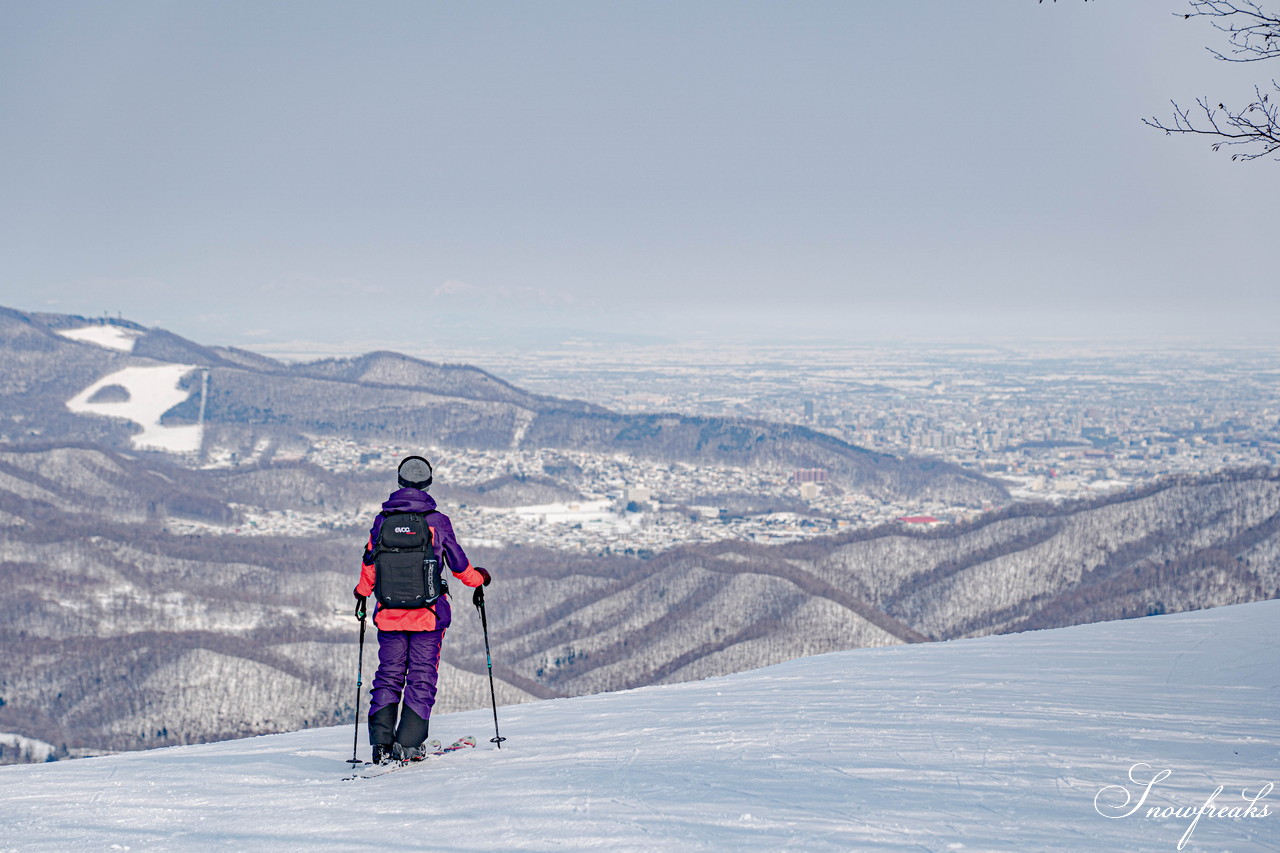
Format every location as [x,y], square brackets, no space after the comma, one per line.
[918,519]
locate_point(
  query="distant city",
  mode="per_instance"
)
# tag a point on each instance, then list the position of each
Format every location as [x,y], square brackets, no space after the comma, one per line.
[1053,418]
[627,506]
[1053,421]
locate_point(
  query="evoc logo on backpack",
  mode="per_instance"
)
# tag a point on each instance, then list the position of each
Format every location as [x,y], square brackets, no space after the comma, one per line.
[408,573]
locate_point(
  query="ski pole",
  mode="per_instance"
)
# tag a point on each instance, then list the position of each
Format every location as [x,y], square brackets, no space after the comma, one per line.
[355,739]
[477,598]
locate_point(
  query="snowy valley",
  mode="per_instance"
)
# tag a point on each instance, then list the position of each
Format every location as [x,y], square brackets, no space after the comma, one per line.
[234,565]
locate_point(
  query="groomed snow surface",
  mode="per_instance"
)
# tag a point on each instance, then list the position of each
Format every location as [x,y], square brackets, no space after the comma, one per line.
[1017,743]
[107,336]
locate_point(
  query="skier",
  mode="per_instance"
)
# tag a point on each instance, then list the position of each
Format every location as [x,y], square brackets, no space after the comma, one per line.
[402,565]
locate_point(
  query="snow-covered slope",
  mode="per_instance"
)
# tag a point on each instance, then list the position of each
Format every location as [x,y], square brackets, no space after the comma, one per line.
[1026,742]
[143,395]
[105,335]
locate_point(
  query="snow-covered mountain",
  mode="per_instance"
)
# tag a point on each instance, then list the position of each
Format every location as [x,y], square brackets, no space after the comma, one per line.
[1153,734]
[115,383]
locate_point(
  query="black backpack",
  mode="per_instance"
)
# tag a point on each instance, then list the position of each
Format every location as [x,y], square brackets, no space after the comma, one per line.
[408,575]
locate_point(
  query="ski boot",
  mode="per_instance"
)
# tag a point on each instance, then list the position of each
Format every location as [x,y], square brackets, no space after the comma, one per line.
[408,753]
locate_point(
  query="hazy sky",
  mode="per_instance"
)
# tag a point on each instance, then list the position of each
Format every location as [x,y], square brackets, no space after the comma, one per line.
[354,174]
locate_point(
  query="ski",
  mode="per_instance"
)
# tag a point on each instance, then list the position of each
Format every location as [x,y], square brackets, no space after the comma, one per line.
[437,750]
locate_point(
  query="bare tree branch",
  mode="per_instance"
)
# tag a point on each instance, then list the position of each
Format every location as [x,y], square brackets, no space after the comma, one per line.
[1258,123]
[1254,35]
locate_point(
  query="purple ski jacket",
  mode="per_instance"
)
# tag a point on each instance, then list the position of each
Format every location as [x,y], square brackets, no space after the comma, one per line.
[446,546]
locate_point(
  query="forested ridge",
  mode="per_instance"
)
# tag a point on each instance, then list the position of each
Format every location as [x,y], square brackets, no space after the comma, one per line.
[132,637]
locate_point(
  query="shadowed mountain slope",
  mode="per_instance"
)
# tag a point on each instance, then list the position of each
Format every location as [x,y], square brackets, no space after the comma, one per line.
[384,396]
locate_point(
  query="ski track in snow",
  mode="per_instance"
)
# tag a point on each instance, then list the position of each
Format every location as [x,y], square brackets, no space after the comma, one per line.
[994,744]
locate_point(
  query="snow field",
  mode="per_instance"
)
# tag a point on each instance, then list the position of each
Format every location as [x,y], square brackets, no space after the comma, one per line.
[1011,743]
[152,391]
[106,336]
